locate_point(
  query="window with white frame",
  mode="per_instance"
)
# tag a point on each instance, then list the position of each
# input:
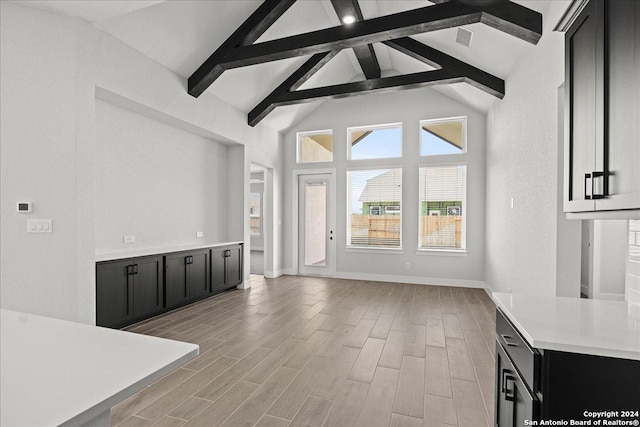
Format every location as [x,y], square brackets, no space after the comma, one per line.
[443,136]
[373,208]
[442,195]
[375,142]
[315,147]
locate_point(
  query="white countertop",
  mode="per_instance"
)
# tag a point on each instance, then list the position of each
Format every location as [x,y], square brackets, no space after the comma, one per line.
[598,327]
[56,372]
[109,256]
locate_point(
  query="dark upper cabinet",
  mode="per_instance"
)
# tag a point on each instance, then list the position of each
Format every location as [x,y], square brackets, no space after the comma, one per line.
[186,277]
[128,290]
[226,267]
[602,107]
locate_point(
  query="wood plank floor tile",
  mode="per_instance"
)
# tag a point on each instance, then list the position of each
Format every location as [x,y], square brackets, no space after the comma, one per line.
[439,410]
[191,407]
[337,352]
[365,366]
[416,340]
[437,377]
[292,399]
[382,326]
[333,378]
[360,333]
[223,407]
[398,420]
[269,421]
[378,406]
[393,350]
[459,360]
[409,398]
[254,408]
[348,404]
[313,412]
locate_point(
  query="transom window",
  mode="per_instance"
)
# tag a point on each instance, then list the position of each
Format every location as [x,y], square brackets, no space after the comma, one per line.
[316,146]
[443,136]
[375,142]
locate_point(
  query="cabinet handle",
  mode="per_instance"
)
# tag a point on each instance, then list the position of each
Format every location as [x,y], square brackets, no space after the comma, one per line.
[587,195]
[509,395]
[506,339]
[135,269]
[600,194]
[129,271]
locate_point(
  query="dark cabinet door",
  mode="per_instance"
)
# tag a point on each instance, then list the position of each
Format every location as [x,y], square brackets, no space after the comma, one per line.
[583,108]
[514,402]
[114,307]
[199,282]
[218,270]
[176,279]
[620,158]
[234,266]
[148,295]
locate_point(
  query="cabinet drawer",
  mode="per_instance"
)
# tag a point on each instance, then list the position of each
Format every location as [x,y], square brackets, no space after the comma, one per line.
[524,357]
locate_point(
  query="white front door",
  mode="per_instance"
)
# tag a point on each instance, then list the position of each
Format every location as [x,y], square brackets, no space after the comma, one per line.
[316,235]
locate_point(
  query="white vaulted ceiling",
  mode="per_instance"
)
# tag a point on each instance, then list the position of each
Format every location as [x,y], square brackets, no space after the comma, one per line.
[181,34]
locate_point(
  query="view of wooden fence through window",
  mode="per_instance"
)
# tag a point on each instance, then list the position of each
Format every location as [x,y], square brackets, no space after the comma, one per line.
[374,217]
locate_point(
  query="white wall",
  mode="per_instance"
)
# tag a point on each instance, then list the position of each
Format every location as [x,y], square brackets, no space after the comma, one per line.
[157,182]
[407,107]
[38,160]
[52,68]
[522,163]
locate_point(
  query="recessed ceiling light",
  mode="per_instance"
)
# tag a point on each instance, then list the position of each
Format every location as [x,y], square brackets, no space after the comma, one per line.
[348,19]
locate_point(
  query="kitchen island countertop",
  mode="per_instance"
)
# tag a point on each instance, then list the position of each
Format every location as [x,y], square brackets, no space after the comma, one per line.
[56,372]
[587,326]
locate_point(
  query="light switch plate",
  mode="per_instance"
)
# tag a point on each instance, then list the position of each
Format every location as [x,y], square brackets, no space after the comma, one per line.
[199,234]
[39,226]
[129,239]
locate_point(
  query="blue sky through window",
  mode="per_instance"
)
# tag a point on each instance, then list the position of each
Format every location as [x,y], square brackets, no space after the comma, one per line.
[379,144]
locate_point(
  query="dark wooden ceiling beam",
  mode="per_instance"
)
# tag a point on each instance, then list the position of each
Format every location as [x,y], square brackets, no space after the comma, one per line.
[365,54]
[435,58]
[250,30]
[293,82]
[385,84]
[508,17]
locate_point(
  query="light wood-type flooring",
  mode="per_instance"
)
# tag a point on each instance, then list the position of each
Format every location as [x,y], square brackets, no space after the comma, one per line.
[308,351]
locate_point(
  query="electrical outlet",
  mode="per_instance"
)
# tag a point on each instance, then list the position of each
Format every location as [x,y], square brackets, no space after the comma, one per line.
[199,234]
[407,265]
[129,239]
[39,226]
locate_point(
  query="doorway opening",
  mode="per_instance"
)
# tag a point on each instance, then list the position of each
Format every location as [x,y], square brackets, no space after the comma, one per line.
[257,221]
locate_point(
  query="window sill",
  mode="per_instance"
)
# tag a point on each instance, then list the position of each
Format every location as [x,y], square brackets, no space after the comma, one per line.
[389,251]
[443,252]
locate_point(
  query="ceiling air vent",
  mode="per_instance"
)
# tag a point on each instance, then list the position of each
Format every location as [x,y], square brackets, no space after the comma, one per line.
[464,36]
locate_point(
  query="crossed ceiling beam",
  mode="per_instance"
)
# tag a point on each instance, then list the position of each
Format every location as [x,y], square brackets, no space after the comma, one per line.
[392,30]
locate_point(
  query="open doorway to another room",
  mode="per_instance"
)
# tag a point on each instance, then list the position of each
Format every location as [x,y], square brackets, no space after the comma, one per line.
[257,220]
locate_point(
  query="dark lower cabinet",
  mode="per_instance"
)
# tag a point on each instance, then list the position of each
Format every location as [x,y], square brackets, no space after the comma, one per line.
[134,289]
[128,291]
[186,277]
[556,386]
[226,267]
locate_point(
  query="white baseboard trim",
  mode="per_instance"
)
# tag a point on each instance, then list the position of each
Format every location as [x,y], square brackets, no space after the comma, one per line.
[272,274]
[289,272]
[612,297]
[488,289]
[416,280]
[244,285]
